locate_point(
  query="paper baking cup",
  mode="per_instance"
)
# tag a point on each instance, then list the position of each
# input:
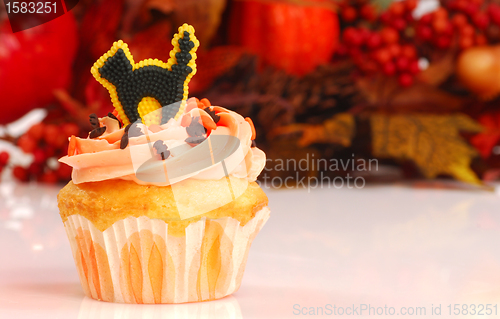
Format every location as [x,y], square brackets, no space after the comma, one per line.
[137,261]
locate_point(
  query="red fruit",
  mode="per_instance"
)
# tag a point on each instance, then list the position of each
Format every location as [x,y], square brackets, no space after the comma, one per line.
[382,56]
[443,42]
[466,42]
[405,80]
[349,14]
[441,14]
[365,34]
[467,30]
[35,169]
[34,63]
[386,18]
[352,37]
[368,12]
[4,158]
[26,144]
[424,33]
[409,17]
[389,69]
[426,18]
[399,24]
[397,8]
[49,177]
[36,131]
[494,13]
[409,51]
[471,9]
[389,35]
[481,20]
[20,173]
[374,41]
[411,4]
[50,134]
[394,50]
[441,25]
[414,67]
[270,30]
[402,63]
[459,20]
[461,5]
[70,129]
[39,156]
[481,39]
[452,5]
[64,171]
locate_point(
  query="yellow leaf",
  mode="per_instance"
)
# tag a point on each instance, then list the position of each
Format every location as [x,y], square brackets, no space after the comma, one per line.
[432,142]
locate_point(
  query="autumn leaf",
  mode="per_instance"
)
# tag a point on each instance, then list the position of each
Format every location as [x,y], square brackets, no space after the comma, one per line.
[432,142]
[489,138]
[338,129]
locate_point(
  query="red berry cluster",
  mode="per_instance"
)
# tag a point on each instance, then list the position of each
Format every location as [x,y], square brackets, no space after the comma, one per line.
[351,11]
[399,14]
[464,22]
[387,50]
[381,52]
[45,142]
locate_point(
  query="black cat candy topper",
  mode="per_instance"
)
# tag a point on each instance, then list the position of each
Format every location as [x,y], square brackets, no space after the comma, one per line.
[138,89]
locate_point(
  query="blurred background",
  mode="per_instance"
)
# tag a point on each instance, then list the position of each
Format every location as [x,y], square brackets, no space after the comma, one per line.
[411,84]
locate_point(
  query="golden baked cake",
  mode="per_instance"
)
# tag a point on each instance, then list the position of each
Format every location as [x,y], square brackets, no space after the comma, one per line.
[163,205]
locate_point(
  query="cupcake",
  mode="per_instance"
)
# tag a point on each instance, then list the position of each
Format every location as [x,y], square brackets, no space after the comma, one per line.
[163,205]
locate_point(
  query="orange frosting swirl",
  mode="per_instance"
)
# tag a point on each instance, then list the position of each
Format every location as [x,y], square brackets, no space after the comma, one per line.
[102,159]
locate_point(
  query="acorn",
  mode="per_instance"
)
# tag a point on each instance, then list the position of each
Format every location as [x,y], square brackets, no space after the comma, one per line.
[478,69]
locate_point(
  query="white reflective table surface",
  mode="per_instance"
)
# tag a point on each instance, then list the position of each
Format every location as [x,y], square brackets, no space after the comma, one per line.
[397,249]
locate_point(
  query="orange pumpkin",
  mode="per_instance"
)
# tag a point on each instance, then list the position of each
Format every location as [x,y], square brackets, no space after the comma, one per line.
[295,37]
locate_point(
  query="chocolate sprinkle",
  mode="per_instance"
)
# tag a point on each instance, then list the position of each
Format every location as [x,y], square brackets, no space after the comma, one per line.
[161,149]
[111,115]
[195,140]
[166,86]
[94,121]
[124,139]
[97,132]
[196,129]
[212,114]
[134,130]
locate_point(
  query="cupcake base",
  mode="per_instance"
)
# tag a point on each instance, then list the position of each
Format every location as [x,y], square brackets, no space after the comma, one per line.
[137,261]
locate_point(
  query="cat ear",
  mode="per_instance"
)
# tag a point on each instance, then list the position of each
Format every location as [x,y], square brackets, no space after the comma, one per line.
[116,67]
